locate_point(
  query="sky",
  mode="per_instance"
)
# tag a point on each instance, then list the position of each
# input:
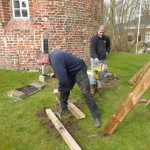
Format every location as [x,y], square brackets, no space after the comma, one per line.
[106,1]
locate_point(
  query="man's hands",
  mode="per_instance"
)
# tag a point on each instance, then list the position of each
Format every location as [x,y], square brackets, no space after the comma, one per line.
[96,61]
[56,91]
[52,75]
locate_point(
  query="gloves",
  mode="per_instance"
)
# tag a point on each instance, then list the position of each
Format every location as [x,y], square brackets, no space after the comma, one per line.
[96,61]
[106,53]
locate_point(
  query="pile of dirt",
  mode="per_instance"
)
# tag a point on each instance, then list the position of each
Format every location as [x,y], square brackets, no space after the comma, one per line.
[42,112]
[109,81]
[103,134]
[69,123]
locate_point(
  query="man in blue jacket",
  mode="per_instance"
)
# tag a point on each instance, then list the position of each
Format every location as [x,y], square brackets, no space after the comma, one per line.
[70,70]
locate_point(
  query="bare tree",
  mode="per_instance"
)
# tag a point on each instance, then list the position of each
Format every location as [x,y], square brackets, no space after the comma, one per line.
[118,14]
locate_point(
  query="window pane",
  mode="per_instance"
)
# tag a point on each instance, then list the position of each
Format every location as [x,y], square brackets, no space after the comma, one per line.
[140,38]
[17,13]
[129,38]
[147,38]
[23,4]
[45,42]
[24,13]
[16,4]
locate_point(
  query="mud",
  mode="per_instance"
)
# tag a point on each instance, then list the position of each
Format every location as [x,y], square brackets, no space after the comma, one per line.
[69,123]
[79,105]
[109,82]
[103,134]
[28,89]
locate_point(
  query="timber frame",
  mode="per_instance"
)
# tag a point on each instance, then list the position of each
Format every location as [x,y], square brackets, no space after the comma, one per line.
[140,82]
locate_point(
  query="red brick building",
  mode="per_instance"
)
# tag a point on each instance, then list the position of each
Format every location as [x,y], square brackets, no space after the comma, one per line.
[30,26]
[144,31]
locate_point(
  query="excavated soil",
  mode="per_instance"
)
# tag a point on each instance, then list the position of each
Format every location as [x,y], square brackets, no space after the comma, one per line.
[109,82]
[69,123]
[28,89]
[102,134]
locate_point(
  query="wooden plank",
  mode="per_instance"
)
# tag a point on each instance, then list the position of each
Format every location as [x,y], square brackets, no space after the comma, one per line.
[129,102]
[63,132]
[75,111]
[139,74]
[143,101]
[114,123]
[148,102]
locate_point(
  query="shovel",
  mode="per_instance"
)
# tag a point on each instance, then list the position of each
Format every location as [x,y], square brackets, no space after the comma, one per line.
[57,104]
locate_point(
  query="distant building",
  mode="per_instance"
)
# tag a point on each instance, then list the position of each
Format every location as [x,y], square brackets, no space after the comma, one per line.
[144,34]
[129,30]
[30,26]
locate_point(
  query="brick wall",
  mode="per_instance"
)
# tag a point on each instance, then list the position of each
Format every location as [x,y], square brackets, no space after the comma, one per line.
[69,24]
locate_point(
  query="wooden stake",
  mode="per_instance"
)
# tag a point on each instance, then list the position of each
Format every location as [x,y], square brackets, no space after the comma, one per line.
[148,102]
[75,111]
[63,132]
[143,101]
[131,99]
[139,74]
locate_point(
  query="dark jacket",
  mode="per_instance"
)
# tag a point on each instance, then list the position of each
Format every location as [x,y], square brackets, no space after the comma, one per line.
[99,47]
[64,64]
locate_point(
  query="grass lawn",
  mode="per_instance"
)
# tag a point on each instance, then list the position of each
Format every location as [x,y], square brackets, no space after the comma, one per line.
[21,130]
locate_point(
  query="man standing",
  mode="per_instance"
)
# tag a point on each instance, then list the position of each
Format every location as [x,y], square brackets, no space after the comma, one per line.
[99,49]
[70,70]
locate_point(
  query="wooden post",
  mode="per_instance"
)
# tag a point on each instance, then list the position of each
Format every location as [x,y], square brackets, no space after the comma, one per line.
[148,102]
[131,99]
[139,74]
[63,132]
[75,111]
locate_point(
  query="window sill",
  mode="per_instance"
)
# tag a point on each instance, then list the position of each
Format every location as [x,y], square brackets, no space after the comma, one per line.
[18,24]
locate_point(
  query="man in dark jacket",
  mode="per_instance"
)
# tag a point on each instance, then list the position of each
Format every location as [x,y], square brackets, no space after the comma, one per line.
[70,70]
[99,49]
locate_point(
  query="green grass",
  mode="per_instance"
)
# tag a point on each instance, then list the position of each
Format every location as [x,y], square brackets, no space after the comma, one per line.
[20,129]
[139,48]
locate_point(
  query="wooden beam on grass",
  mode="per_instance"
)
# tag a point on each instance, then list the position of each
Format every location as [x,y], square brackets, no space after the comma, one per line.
[148,102]
[63,132]
[76,111]
[129,102]
[139,74]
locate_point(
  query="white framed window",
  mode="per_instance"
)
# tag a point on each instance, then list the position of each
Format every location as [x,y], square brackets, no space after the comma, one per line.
[147,36]
[45,43]
[20,8]
[130,36]
[140,37]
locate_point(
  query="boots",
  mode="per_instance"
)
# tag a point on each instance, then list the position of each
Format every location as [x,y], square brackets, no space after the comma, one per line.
[100,91]
[63,112]
[100,97]
[93,88]
[97,123]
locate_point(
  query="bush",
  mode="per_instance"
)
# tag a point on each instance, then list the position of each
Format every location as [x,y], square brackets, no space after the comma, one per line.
[119,43]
